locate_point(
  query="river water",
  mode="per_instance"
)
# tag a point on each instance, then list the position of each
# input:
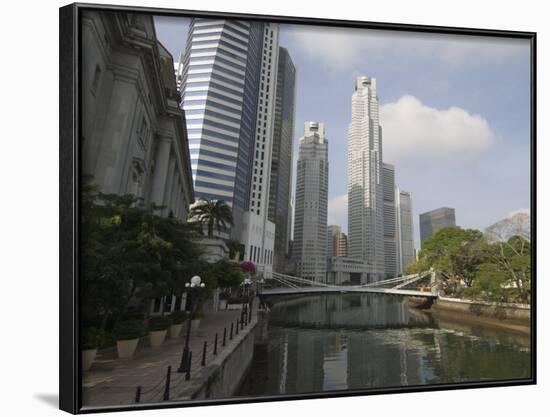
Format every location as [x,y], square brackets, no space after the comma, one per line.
[358,341]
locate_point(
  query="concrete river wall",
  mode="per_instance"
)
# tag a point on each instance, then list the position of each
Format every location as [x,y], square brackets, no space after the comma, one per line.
[222,376]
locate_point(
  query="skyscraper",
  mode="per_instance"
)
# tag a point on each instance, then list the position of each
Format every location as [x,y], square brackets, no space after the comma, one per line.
[281,160]
[258,232]
[310,224]
[432,221]
[365,194]
[390,224]
[405,234]
[220,78]
[228,77]
[337,242]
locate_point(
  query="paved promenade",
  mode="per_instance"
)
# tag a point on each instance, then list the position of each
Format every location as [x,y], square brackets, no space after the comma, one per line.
[113,381]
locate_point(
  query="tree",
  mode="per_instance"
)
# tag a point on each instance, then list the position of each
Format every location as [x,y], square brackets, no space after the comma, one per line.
[212,213]
[226,273]
[236,249]
[130,255]
[117,260]
[506,274]
[417,267]
[457,253]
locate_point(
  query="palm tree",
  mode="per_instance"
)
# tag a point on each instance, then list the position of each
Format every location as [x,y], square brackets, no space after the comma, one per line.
[212,213]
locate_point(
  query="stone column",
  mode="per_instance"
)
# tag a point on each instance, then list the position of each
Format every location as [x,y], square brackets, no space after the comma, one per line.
[161,170]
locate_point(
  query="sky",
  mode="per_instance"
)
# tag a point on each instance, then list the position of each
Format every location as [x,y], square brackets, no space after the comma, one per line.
[454,111]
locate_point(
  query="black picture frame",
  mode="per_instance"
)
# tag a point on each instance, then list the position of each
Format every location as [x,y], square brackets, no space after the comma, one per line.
[70,386]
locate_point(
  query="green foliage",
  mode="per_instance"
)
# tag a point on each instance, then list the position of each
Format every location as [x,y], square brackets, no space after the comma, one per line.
[178,317]
[506,274]
[226,274]
[212,213]
[417,267]
[131,254]
[475,268]
[91,338]
[159,323]
[236,249]
[457,253]
[128,329]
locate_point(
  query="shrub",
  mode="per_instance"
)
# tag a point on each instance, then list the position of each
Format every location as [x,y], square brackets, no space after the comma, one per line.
[178,317]
[91,338]
[159,323]
[129,329]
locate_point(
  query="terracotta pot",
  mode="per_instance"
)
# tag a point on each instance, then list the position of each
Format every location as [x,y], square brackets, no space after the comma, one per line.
[88,357]
[156,337]
[175,330]
[126,348]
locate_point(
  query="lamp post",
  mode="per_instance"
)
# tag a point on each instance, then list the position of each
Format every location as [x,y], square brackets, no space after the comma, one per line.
[191,287]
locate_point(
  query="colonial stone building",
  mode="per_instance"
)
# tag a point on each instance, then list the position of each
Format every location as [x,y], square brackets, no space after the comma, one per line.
[134,139]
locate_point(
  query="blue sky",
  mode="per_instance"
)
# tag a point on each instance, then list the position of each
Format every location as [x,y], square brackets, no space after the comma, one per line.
[454,112]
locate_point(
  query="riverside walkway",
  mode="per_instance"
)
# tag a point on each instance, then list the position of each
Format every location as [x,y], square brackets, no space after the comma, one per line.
[114,382]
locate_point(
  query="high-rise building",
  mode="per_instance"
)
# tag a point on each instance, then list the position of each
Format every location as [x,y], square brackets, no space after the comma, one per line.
[365,194]
[258,232]
[220,78]
[405,235]
[281,160]
[337,242]
[228,78]
[432,221]
[391,264]
[310,223]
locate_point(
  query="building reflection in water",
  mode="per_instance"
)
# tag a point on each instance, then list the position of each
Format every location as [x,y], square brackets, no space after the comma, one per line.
[358,341]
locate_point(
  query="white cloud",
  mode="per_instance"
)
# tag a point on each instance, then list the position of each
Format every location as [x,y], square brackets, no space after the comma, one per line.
[345,49]
[338,211]
[414,131]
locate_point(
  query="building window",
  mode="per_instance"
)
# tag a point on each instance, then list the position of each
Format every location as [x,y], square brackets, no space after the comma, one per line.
[142,133]
[95,81]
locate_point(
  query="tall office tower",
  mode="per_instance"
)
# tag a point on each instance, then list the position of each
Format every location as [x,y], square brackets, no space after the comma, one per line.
[432,221]
[365,196]
[258,232]
[228,78]
[220,80]
[405,235]
[310,223]
[281,160]
[337,242]
[390,225]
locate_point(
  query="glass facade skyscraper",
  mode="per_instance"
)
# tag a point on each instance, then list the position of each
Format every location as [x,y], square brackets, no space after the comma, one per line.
[281,163]
[220,72]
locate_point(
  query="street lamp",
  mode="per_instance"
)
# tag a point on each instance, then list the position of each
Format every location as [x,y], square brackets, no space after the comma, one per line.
[191,287]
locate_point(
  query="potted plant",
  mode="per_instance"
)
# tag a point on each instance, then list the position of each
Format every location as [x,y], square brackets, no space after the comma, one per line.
[158,327]
[178,318]
[90,340]
[127,334]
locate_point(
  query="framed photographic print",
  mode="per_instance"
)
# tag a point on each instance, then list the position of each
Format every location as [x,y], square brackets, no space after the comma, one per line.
[260,208]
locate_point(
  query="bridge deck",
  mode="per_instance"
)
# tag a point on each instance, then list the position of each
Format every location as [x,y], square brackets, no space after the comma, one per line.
[315,290]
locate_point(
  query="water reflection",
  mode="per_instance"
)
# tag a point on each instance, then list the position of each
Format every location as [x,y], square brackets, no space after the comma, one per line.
[352,341]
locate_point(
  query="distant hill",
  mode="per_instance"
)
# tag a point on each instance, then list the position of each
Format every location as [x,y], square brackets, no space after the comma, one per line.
[519,224]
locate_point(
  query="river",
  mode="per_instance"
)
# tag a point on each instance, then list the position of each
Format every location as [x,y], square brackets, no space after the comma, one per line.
[359,341]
